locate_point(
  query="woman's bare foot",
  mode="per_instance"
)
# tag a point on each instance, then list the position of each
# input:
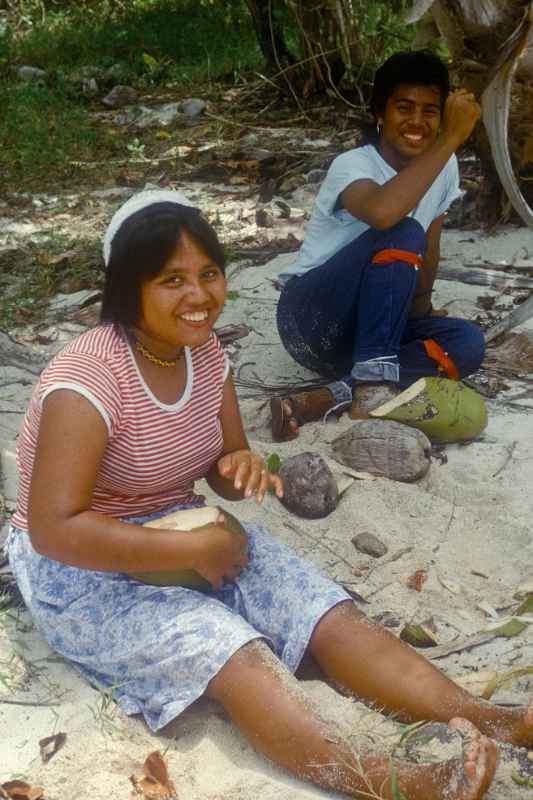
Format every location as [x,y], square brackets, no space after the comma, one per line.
[461,779]
[480,759]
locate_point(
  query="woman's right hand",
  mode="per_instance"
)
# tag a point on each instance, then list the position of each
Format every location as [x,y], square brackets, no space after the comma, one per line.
[220,555]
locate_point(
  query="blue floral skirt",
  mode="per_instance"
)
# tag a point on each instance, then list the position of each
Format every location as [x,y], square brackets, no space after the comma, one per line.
[159,647]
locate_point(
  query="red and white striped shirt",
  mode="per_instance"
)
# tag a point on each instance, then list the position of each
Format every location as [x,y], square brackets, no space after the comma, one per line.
[155,451]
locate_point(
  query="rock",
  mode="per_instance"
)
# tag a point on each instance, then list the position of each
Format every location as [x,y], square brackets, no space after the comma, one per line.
[31,73]
[384,448]
[264,218]
[310,490]
[119,96]
[89,87]
[250,139]
[116,73]
[160,116]
[64,303]
[369,544]
[193,107]
[315,176]
[281,208]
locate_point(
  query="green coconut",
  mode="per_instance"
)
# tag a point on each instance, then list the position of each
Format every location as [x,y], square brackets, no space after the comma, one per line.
[187,520]
[446,411]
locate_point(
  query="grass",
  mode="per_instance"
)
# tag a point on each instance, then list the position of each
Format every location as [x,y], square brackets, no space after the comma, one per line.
[53,264]
[49,125]
[182,38]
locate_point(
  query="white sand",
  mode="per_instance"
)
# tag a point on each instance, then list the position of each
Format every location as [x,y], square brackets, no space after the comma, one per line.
[472,514]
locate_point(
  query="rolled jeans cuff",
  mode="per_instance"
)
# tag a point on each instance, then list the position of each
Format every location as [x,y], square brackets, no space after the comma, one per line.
[383,368]
[341,391]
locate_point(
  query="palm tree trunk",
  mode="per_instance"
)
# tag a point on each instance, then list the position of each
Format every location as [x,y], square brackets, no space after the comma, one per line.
[484,37]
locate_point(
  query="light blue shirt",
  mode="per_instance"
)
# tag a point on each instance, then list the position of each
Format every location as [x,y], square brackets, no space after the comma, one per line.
[331,228]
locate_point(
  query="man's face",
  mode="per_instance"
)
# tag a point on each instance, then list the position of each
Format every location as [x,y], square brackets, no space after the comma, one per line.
[410,123]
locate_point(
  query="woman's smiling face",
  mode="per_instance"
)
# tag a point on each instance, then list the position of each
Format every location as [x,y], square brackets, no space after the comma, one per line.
[180,306]
[410,123]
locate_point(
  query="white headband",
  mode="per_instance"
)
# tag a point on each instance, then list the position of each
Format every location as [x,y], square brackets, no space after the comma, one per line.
[136,203]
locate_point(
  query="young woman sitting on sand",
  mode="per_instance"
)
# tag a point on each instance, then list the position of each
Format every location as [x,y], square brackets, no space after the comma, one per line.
[356,303]
[121,424]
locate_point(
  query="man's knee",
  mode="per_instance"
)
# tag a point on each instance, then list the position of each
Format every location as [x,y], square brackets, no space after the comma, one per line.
[408,234]
[468,349]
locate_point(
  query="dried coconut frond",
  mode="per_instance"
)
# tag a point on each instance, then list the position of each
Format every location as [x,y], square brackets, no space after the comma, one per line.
[418,10]
[495,103]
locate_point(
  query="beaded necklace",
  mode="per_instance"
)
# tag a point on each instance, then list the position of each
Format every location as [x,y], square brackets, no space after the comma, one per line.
[161,362]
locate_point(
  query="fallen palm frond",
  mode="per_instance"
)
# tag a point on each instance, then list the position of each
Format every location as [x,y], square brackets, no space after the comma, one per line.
[255,387]
[496,102]
[490,43]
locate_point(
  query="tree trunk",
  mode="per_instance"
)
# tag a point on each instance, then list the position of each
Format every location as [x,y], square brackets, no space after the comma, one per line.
[477,32]
[328,37]
[270,34]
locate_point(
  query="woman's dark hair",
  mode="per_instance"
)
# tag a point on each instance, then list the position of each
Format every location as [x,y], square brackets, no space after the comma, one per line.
[417,67]
[140,249]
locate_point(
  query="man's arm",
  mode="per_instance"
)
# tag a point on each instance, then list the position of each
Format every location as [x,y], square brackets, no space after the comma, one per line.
[381,207]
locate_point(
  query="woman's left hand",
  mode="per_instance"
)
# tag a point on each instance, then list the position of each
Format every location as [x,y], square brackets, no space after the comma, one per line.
[249,474]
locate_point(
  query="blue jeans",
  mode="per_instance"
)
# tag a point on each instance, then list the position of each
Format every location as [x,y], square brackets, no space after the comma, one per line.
[348,319]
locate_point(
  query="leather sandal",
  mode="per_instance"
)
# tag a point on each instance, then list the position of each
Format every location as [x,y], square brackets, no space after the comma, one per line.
[305,407]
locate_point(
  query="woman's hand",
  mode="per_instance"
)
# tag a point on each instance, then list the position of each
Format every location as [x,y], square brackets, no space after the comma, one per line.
[248,472]
[220,555]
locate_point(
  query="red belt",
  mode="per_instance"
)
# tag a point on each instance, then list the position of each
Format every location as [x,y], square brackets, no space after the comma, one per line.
[386,256]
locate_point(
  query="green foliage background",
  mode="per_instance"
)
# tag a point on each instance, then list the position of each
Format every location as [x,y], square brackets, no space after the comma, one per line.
[46,125]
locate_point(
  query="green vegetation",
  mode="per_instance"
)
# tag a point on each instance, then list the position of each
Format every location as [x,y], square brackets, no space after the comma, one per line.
[50,265]
[46,125]
[49,125]
[187,40]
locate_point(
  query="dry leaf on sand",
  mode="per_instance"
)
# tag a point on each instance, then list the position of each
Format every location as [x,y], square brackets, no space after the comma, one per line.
[50,745]
[417,580]
[20,790]
[155,784]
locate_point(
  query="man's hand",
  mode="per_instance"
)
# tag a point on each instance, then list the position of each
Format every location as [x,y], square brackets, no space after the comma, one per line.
[461,113]
[249,473]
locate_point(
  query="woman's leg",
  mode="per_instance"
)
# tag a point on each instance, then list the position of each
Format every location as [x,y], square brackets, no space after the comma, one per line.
[267,704]
[378,667]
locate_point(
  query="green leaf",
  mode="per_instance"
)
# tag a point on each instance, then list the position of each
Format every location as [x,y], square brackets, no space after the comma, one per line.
[395,789]
[510,628]
[521,780]
[526,607]
[273,463]
[418,636]
[232,295]
[149,60]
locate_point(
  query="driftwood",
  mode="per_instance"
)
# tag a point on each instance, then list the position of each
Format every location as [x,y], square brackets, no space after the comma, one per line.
[13,354]
[385,448]
[484,277]
[519,315]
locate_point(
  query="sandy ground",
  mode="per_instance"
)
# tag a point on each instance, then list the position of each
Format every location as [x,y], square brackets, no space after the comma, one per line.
[468,523]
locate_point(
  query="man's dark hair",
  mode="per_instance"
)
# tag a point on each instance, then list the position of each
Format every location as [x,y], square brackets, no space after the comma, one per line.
[417,67]
[140,249]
